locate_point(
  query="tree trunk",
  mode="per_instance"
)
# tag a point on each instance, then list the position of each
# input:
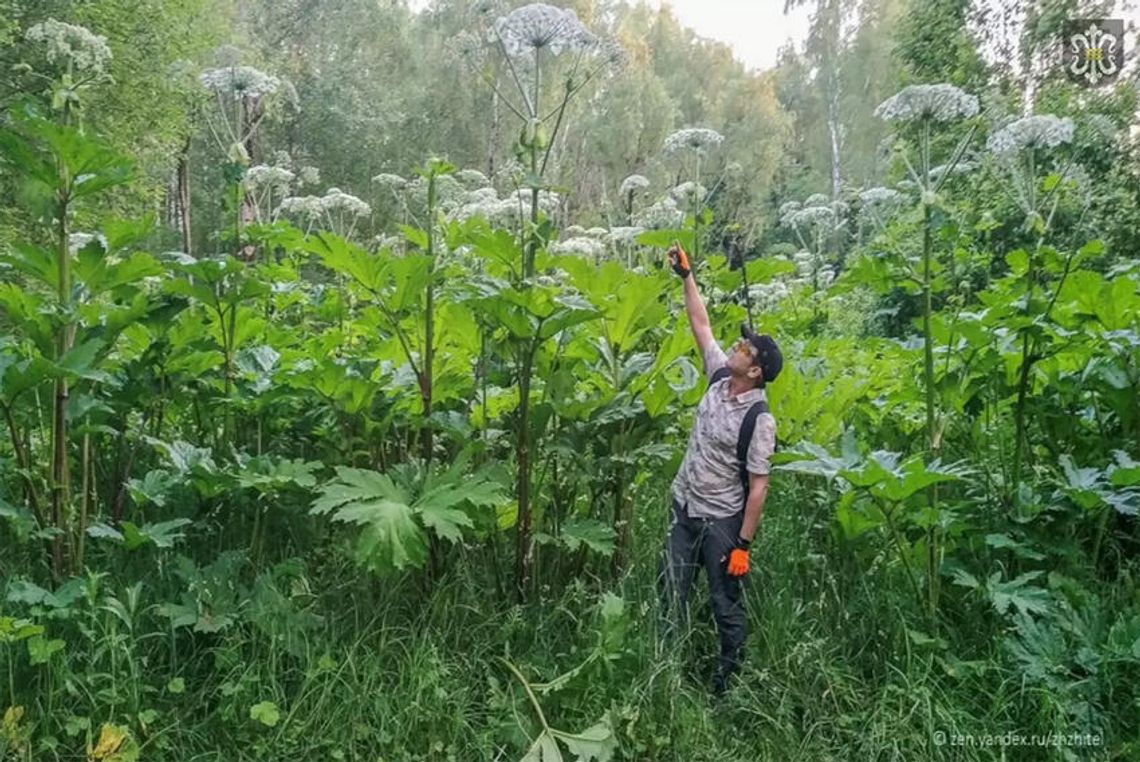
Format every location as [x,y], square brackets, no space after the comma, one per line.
[182,195]
[833,128]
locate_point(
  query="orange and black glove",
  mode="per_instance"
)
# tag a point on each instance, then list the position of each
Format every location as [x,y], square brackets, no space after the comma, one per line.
[738,558]
[679,260]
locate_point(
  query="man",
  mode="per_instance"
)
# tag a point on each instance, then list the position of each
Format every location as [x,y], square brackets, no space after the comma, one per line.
[718,500]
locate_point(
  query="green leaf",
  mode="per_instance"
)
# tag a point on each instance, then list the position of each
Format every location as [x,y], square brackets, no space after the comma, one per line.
[37,261]
[410,276]
[595,744]
[152,488]
[165,533]
[101,531]
[1019,549]
[1018,261]
[594,534]
[415,236]
[663,239]
[41,649]
[356,484]
[390,538]
[1018,593]
[544,749]
[1126,473]
[14,630]
[448,523]
[78,362]
[339,255]
[265,712]
[176,685]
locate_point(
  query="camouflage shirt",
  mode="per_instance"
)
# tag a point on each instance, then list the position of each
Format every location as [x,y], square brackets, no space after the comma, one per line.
[709,478]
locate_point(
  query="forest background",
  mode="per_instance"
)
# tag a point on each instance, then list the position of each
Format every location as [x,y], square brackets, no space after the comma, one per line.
[343,385]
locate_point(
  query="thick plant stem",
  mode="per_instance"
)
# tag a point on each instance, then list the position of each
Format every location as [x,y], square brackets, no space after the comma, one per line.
[429,328]
[24,465]
[529,693]
[85,499]
[901,547]
[927,346]
[932,539]
[1027,360]
[523,544]
[1019,421]
[60,486]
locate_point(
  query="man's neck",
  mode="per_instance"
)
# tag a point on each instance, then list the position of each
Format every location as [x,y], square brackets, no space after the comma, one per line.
[739,385]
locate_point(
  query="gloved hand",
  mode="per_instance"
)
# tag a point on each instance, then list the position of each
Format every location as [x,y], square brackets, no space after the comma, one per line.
[679,260]
[738,559]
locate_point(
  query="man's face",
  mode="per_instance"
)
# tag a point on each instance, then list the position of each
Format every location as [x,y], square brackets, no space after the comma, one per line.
[741,361]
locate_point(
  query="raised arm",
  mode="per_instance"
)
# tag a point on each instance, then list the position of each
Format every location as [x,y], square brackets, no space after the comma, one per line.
[694,305]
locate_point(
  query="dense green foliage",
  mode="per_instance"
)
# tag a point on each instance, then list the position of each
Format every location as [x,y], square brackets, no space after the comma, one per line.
[290,471]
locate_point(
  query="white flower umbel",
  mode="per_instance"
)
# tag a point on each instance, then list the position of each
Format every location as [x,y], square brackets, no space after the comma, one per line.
[940,103]
[634,184]
[481,202]
[238,91]
[767,296]
[1023,149]
[662,215]
[309,175]
[588,246]
[1040,131]
[539,26]
[689,193]
[624,235]
[260,177]
[307,210]
[962,168]
[71,46]
[787,209]
[817,199]
[342,211]
[472,178]
[239,82]
[390,182]
[813,217]
[337,201]
[919,108]
[878,205]
[263,184]
[697,140]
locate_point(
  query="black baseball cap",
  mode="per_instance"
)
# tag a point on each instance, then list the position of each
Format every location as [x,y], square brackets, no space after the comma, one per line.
[768,355]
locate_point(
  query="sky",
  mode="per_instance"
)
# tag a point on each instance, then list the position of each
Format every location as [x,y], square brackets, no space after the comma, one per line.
[754,28]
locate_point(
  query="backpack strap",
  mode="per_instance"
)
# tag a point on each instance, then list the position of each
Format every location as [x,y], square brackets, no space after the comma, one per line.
[719,374]
[744,439]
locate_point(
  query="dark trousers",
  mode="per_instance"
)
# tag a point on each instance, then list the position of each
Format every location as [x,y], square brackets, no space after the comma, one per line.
[704,543]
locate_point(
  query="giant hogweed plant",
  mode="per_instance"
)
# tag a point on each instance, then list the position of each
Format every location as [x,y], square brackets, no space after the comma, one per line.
[919,113]
[63,167]
[241,94]
[1023,150]
[404,289]
[528,41]
[692,148]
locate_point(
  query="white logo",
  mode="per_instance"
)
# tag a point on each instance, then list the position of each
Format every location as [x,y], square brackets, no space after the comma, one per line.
[1093,54]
